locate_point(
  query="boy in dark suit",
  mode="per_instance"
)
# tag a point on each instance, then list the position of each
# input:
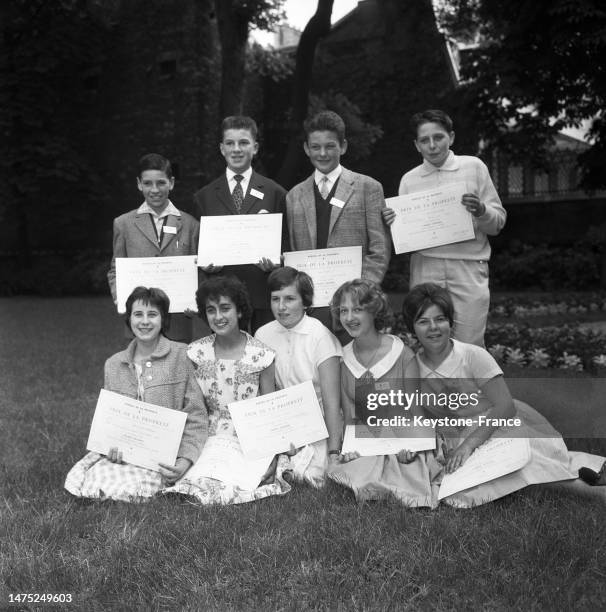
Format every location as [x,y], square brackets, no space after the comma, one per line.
[156,229]
[242,191]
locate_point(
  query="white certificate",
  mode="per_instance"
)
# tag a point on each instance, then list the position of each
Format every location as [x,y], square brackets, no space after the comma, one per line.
[380,445]
[268,424]
[146,434]
[495,458]
[177,276]
[239,239]
[222,459]
[430,218]
[328,268]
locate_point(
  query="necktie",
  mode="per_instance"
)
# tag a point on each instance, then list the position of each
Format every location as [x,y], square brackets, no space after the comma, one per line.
[237,194]
[158,227]
[324,187]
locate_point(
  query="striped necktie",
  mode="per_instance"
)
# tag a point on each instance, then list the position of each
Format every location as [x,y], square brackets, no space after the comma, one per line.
[237,194]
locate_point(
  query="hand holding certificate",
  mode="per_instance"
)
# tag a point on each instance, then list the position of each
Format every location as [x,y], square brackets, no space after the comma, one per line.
[270,424]
[328,268]
[359,438]
[176,276]
[431,218]
[239,239]
[495,458]
[145,434]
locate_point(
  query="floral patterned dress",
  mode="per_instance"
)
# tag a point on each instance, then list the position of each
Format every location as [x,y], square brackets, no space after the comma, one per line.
[224,381]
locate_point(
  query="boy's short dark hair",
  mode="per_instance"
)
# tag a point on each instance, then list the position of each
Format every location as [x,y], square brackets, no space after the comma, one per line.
[239,122]
[152,297]
[325,121]
[286,276]
[420,298]
[153,161]
[431,116]
[216,287]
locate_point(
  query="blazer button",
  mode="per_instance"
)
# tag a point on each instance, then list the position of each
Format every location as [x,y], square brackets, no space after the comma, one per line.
[149,377]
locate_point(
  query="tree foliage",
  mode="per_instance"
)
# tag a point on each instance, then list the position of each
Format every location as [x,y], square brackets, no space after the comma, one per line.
[317,28]
[361,136]
[538,66]
[234,20]
[268,63]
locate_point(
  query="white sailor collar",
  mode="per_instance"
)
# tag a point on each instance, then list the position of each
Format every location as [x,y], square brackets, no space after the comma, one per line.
[378,369]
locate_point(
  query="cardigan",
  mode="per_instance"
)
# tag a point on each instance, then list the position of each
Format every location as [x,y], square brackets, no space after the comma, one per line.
[168,381]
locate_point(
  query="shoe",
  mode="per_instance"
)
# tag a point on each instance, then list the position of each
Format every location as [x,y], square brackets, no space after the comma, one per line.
[593,478]
[289,477]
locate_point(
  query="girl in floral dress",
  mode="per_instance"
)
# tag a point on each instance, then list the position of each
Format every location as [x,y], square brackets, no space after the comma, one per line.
[155,370]
[446,364]
[229,366]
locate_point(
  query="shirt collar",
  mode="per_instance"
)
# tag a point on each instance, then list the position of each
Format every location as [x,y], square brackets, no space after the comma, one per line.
[450,165]
[170,209]
[380,368]
[333,175]
[302,327]
[449,368]
[161,350]
[229,173]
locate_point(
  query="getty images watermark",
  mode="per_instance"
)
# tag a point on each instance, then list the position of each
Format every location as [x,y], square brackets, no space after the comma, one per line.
[398,399]
[573,407]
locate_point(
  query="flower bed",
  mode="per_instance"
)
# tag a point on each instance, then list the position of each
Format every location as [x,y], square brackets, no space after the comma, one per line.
[573,304]
[568,347]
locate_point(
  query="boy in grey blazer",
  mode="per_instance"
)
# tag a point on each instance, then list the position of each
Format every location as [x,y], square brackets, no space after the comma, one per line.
[336,207]
[156,229]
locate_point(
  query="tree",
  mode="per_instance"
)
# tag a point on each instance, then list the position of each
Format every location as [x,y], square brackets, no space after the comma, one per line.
[43,45]
[234,19]
[317,27]
[537,67]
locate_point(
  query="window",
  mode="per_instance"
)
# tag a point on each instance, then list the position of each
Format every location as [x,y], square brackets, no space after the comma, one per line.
[515,180]
[167,65]
[541,182]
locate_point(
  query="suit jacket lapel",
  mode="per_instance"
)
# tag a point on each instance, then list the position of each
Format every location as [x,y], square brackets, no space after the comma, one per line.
[144,224]
[224,196]
[343,192]
[167,238]
[308,202]
[249,200]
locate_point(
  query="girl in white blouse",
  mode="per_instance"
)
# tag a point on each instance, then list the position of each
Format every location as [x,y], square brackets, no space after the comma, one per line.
[305,350]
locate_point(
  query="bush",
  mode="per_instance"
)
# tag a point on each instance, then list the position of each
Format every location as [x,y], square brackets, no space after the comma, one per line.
[546,268]
[83,273]
[398,274]
[555,304]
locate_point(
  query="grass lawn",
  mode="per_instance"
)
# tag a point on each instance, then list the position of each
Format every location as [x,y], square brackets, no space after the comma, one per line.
[307,550]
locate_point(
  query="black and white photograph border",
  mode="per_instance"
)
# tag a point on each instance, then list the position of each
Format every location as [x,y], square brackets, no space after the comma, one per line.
[508,96]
